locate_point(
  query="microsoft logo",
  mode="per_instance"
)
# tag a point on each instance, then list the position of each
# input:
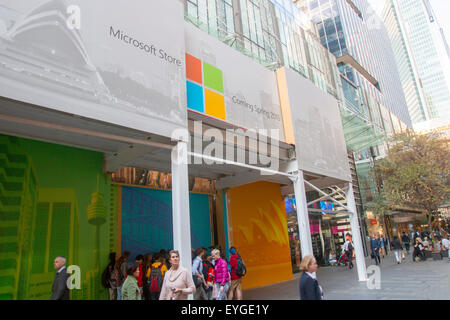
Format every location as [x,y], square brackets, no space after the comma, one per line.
[204,86]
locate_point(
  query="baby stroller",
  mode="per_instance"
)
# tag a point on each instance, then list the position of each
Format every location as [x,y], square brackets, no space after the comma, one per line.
[343,260]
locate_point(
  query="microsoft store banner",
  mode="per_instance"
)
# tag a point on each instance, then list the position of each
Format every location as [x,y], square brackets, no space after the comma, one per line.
[113,61]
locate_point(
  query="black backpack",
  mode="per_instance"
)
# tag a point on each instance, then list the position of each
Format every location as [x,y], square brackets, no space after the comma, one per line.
[241,270]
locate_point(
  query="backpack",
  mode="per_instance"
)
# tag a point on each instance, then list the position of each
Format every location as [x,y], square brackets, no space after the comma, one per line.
[241,270]
[156,279]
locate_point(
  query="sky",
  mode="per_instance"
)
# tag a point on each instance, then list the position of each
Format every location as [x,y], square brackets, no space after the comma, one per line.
[441,9]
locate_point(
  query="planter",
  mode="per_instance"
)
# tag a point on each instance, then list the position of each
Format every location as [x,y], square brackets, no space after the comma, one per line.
[436,256]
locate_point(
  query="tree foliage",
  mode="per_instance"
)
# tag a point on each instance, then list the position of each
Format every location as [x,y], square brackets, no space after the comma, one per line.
[415,173]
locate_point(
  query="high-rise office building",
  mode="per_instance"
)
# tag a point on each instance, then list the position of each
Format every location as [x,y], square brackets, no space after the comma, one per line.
[422,58]
[353,32]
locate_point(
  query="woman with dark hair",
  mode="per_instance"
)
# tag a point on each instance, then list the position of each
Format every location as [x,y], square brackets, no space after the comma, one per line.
[178,283]
[130,288]
[120,272]
[309,287]
[108,281]
[146,266]
[418,250]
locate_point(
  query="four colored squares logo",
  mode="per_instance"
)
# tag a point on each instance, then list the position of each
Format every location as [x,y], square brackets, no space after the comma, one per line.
[204,86]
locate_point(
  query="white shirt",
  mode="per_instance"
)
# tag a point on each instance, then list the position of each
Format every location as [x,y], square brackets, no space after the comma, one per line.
[446,243]
[62,268]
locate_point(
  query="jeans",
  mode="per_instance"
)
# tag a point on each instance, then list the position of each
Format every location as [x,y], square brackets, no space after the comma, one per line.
[200,293]
[376,256]
[398,255]
[222,295]
[407,247]
[119,293]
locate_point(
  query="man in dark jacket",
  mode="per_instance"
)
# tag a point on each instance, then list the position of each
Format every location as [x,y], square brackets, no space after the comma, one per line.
[375,246]
[405,240]
[397,249]
[60,291]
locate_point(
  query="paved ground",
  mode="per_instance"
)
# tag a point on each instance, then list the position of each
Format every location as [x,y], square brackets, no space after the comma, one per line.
[428,280]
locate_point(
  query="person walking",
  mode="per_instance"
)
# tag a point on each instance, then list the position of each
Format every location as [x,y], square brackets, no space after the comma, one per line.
[347,249]
[140,260]
[222,276]
[178,282]
[155,276]
[108,281]
[197,275]
[418,250]
[146,266]
[130,287]
[60,291]
[446,245]
[375,246]
[405,240]
[235,287]
[121,266]
[397,249]
[309,286]
[381,242]
[208,275]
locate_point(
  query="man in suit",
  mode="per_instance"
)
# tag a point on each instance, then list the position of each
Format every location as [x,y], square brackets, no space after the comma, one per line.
[60,291]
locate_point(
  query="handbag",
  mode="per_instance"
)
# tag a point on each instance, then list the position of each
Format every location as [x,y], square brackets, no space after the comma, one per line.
[372,255]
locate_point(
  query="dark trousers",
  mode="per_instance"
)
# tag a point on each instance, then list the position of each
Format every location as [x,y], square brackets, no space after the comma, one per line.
[349,257]
[376,256]
[407,247]
[155,295]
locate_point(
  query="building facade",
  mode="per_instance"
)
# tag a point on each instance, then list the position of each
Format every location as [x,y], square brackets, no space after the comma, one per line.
[423,60]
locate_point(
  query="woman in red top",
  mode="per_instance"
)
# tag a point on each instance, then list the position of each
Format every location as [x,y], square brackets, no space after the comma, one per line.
[222,276]
[235,279]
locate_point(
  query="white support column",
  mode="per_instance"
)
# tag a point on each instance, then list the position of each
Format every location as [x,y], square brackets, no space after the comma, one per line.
[180,205]
[302,214]
[356,235]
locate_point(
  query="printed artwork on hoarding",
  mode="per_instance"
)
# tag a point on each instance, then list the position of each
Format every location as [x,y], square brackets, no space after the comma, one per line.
[97,59]
[259,232]
[147,225]
[54,201]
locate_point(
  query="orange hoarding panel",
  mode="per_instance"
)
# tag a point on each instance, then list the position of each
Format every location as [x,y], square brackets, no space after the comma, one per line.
[258,224]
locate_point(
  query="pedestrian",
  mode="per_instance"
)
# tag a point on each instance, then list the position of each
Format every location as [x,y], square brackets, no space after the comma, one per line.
[208,275]
[418,250]
[130,287]
[347,249]
[222,276]
[309,286]
[397,249]
[236,264]
[381,242]
[60,291]
[446,245]
[405,240]
[178,283]
[375,246]
[386,245]
[155,276]
[146,266]
[121,266]
[140,259]
[197,275]
[108,281]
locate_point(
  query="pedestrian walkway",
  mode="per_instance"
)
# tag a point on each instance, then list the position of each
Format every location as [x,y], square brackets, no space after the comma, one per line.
[428,280]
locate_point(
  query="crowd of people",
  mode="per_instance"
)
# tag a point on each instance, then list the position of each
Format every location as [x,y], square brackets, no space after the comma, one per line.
[422,244]
[160,276]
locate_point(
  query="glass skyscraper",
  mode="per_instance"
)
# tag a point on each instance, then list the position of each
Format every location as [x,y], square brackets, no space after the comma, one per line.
[353,32]
[422,58]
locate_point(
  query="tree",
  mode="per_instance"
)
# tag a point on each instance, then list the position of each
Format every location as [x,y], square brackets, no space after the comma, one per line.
[416,173]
